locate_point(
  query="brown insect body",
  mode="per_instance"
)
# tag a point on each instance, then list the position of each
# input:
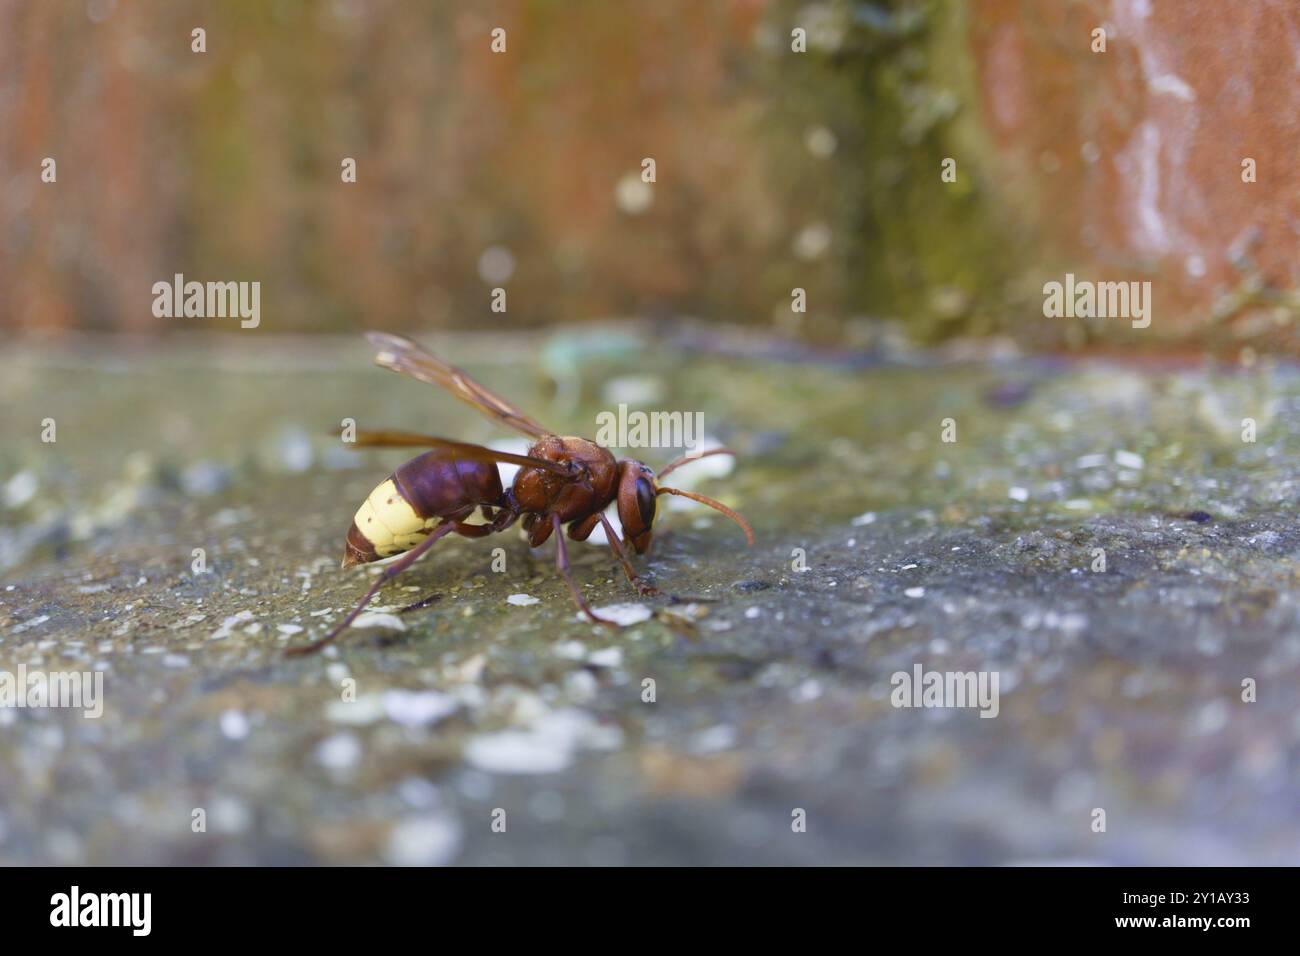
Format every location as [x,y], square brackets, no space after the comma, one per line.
[542,493]
[434,488]
[562,481]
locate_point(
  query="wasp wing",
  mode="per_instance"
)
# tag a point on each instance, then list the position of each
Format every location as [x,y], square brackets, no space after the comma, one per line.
[454,450]
[409,358]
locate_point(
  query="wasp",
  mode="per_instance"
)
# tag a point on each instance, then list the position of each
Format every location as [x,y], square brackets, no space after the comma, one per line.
[562,482]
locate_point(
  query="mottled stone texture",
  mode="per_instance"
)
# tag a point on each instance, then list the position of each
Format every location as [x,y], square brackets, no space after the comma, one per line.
[1120,686]
[1133,157]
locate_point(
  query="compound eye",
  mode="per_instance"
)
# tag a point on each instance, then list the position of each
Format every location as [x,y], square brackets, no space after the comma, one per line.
[645,501]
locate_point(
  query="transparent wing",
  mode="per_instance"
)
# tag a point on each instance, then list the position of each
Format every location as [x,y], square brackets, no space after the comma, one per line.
[409,358]
[459,450]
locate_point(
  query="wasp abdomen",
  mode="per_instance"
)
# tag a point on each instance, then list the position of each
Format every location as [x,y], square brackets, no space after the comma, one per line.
[403,509]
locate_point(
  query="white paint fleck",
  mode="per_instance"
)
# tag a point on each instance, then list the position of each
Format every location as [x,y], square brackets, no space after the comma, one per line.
[230,815]
[379,619]
[714,739]
[522,600]
[228,625]
[337,672]
[702,470]
[20,489]
[1144,150]
[418,792]
[496,265]
[1128,459]
[581,685]
[624,614]
[514,751]
[607,657]
[412,708]
[571,650]
[549,745]
[1212,718]
[821,142]
[234,725]
[423,841]
[339,752]
[813,241]
[366,709]
[633,195]
[810,689]
[1171,85]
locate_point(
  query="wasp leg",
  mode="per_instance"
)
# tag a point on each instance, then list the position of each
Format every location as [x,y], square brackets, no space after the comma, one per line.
[562,565]
[642,588]
[507,512]
[469,531]
[538,529]
[581,530]
[392,571]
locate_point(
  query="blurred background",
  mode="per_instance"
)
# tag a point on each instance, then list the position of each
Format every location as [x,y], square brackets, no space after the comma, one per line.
[937,474]
[774,169]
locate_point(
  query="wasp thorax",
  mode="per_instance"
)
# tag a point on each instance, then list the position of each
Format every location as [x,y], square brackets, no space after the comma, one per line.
[541,491]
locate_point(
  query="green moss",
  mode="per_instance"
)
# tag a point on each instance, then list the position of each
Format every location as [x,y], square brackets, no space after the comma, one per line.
[898,92]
